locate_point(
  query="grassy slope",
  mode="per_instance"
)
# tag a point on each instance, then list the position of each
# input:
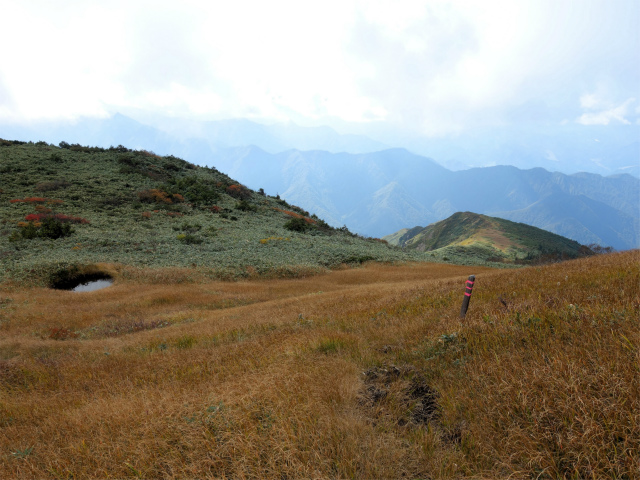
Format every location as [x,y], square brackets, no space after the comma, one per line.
[394,238]
[102,187]
[470,234]
[364,373]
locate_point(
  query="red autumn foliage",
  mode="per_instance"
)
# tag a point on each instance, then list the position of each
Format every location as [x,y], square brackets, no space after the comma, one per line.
[39,217]
[215,209]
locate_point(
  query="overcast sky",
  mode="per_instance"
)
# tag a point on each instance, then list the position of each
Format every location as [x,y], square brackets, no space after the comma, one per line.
[430,67]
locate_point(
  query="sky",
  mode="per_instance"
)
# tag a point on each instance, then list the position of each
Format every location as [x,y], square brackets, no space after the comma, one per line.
[432,68]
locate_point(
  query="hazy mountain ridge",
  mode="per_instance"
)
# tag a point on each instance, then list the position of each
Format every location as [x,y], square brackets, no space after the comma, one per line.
[587,216]
[382,192]
[271,138]
[602,149]
[570,148]
[195,140]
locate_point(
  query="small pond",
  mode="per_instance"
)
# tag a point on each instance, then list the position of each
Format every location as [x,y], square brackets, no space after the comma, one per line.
[84,282]
[92,285]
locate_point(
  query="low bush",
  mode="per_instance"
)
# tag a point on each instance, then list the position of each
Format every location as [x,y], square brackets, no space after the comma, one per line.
[189,227]
[297,225]
[49,227]
[54,228]
[195,190]
[239,192]
[52,185]
[245,206]
[155,195]
[59,217]
[189,239]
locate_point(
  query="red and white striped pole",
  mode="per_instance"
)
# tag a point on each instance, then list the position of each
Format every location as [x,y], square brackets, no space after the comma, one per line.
[467,295]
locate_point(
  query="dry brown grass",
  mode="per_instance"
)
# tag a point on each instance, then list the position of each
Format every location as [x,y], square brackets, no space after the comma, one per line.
[361,373]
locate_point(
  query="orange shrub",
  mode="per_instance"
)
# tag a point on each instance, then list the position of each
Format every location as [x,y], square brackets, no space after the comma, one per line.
[238,191]
[155,195]
[296,215]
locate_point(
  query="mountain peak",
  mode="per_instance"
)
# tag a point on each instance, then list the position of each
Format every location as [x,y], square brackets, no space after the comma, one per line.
[482,238]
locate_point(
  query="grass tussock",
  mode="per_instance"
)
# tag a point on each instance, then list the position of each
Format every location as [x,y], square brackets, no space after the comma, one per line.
[359,373]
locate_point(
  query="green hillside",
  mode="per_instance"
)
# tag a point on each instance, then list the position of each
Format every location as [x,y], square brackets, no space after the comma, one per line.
[72,205]
[470,235]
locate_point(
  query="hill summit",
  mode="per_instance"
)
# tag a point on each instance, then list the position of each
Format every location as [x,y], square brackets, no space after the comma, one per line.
[70,206]
[491,239]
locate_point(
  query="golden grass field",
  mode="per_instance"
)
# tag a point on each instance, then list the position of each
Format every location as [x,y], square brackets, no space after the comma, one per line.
[357,373]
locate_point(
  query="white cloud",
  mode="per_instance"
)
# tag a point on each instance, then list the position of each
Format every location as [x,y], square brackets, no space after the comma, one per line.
[598,162]
[433,67]
[589,101]
[549,155]
[58,64]
[605,117]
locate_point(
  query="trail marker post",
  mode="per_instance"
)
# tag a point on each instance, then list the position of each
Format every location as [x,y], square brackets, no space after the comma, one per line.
[467,295]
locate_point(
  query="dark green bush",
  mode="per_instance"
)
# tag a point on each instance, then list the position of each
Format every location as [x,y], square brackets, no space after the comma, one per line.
[297,225]
[245,206]
[190,228]
[119,149]
[360,259]
[50,228]
[194,190]
[54,228]
[189,239]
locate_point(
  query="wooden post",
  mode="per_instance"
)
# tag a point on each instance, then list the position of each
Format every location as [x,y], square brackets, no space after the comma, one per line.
[467,295]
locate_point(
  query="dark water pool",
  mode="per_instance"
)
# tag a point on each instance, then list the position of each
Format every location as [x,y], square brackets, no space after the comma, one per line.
[86,282]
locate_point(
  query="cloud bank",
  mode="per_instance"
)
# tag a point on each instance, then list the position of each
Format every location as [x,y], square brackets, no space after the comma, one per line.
[433,68]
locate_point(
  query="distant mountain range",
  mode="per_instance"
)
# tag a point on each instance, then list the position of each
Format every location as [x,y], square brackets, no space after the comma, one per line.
[487,239]
[270,138]
[568,147]
[382,192]
[192,140]
[353,180]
